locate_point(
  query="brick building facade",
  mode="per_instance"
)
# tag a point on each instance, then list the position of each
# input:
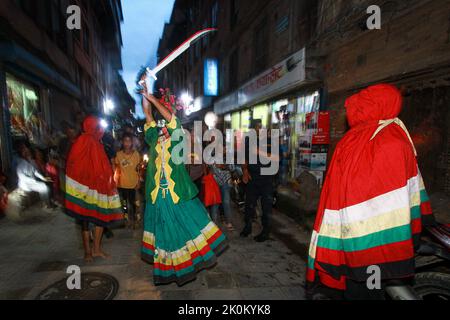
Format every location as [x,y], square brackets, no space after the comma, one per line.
[340,56]
[411,51]
[282,28]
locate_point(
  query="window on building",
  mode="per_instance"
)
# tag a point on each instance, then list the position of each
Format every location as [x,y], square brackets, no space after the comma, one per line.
[205,40]
[215,14]
[78,75]
[46,20]
[58,25]
[86,39]
[77,35]
[261,47]
[234,12]
[234,67]
[196,89]
[197,51]
[191,58]
[30,7]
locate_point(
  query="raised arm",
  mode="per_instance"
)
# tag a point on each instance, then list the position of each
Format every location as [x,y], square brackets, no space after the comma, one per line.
[147,109]
[167,115]
[146,105]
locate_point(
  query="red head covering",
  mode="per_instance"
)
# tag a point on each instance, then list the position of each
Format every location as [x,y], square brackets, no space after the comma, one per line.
[91,126]
[88,163]
[379,102]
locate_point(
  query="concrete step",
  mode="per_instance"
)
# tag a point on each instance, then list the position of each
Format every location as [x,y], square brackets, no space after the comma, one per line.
[295,236]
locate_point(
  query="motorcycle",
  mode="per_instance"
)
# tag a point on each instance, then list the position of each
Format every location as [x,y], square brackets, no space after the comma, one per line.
[432,279]
[238,188]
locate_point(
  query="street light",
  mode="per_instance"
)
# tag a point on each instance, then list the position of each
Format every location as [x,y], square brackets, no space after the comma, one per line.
[108,106]
[103,123]
[186,99]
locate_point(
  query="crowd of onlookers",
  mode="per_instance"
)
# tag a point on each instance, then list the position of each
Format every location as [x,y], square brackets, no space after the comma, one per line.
[43,171]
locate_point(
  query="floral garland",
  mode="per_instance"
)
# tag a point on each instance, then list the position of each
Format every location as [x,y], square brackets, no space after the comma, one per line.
[170,101]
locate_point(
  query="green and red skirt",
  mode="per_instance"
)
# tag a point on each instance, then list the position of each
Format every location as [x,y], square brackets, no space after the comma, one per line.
[179,239]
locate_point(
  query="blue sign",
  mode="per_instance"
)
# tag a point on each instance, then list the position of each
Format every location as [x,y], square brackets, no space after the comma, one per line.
[211,77]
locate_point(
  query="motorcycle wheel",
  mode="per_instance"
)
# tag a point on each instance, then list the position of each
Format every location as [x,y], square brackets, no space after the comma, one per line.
[433,286]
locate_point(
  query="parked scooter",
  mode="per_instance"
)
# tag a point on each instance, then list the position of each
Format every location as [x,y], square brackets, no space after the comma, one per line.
[432,278]
[238,188]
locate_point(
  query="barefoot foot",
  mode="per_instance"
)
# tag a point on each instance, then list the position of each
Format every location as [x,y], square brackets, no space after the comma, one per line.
[88,258]
[100,254]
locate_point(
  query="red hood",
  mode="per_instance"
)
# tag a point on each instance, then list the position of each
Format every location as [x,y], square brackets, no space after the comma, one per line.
[91,126]
[379,102]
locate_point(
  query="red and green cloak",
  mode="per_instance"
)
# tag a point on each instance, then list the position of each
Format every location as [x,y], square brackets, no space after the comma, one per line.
[374,203]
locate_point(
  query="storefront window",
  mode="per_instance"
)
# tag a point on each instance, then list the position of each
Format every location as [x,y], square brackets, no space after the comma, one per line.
[308,103]
[261,113]
[245,120]
[24,108]
[236,121]
[282,119]
[310,141]
[227,126]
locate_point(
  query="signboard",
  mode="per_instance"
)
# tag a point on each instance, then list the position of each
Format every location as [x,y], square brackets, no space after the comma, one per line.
[322,127]
[211,77]
[313,147]
[282,77]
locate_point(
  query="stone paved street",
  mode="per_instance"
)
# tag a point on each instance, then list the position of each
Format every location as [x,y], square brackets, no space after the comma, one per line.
[36,254]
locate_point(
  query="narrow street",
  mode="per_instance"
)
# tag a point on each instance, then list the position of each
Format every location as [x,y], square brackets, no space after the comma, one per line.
[40,250]
[335,114]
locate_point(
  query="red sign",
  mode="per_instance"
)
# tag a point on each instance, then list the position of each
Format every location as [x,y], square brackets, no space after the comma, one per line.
[322,126]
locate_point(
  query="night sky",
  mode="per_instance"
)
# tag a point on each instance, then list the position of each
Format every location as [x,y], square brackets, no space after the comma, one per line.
[143,25]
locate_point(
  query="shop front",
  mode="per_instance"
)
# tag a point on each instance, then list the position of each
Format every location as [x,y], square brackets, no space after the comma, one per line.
[24,108]
[282,98]
[29,89]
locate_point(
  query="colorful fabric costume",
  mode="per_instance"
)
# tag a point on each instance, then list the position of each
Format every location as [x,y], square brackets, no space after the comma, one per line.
[91,193]
[211,191]
[373,204]
[179,237]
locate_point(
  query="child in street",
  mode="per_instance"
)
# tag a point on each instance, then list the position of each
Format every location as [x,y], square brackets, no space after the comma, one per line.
[52,171]
[212,198]
[126,174]
[222,175]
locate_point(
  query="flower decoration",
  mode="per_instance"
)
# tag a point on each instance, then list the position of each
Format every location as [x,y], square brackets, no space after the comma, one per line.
[169,100]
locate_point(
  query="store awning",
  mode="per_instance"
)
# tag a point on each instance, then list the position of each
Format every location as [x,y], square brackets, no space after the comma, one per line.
[282,77]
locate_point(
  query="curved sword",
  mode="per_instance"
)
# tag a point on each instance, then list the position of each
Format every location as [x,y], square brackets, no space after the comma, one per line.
[178,51]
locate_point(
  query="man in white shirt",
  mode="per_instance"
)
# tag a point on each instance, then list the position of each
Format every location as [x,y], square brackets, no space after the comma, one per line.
[29,177]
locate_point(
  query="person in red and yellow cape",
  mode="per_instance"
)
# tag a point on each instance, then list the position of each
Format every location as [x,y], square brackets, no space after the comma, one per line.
[373,204]
[179,237]
[91,194]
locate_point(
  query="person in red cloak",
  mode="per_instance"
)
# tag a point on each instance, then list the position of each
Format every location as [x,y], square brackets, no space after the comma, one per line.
[91,193]
[373,204]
